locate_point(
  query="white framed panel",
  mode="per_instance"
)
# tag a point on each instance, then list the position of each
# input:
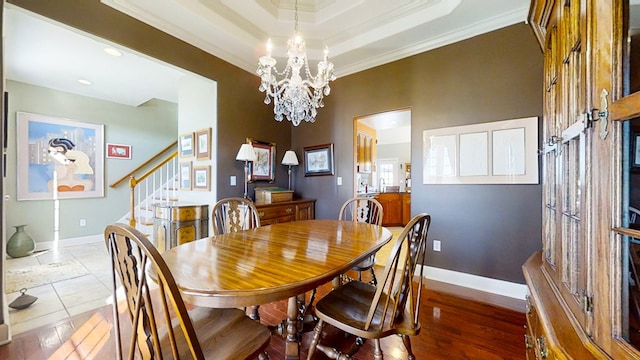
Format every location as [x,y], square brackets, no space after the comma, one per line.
[473,154]
[499,152]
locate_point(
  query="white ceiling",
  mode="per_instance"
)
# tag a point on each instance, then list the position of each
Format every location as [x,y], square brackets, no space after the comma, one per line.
[360,34]
[392,127]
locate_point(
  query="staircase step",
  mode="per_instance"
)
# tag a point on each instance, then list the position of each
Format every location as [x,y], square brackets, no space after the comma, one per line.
[166,199]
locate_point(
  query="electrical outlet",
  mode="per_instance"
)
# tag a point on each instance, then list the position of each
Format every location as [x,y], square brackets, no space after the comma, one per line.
[436,245]
[83,222]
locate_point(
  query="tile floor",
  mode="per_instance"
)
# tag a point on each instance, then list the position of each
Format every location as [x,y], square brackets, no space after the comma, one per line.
[62,299]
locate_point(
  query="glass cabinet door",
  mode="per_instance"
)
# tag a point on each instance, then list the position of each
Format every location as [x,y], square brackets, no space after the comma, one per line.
[566,143]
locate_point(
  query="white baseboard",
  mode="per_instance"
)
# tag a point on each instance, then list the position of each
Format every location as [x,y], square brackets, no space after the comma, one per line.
[82,240]
[489,285]
[5,333]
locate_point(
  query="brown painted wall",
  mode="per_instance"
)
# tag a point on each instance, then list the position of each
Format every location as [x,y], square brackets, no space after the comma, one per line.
[487,230]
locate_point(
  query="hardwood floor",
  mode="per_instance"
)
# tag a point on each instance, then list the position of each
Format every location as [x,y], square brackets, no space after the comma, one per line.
[452,328]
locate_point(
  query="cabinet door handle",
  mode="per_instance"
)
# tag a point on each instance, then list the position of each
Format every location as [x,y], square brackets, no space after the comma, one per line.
[542,347]
[261,213]
[289,210]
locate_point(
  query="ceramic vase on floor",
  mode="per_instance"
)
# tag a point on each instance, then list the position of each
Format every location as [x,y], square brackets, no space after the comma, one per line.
[20,243]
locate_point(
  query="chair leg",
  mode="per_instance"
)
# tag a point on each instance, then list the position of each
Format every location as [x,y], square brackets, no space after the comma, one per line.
[356,344]
[407,344]
[333,353]
[373,281]
[316,337]
[377,350]
[255,314]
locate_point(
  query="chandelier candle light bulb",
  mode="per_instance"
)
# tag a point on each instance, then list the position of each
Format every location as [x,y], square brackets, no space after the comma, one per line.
[295,98]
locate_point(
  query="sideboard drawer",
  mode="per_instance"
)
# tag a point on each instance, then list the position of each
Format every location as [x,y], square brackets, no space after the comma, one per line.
[301,209]
[274,212]
[276,220]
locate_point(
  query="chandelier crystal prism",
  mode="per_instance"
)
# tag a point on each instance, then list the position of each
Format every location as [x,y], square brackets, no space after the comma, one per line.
[295,98]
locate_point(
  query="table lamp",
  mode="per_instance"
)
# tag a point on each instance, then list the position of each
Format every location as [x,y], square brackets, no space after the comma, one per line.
[290,159]
[246,154]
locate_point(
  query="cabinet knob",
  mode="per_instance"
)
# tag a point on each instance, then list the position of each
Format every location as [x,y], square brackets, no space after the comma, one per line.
[289,210]
[261,213]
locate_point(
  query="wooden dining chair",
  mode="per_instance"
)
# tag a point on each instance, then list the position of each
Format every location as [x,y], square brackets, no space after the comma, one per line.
[234,214]
[370,312]
[161,326]
[368,210]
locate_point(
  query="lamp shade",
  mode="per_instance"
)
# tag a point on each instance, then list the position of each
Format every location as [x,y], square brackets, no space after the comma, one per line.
[246,153]
[290,158]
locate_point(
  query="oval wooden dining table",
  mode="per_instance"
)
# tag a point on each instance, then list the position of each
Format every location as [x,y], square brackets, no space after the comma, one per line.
[271,263]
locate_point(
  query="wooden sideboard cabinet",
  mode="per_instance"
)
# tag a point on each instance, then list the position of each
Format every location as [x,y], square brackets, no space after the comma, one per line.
[406,208]
[300,209]
[176,223]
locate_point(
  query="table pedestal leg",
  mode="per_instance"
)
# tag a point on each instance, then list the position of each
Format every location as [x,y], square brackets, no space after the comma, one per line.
[292,347]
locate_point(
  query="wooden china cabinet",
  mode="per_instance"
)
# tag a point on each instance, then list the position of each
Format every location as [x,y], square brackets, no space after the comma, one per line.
[582,299]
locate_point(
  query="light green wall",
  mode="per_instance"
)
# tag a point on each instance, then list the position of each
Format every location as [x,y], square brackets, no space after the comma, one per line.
[148,128]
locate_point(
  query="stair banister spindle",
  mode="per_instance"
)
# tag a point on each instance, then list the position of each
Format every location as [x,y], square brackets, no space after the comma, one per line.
[165,189]
[174,185]
[155,186]
[132,200]
[140,197]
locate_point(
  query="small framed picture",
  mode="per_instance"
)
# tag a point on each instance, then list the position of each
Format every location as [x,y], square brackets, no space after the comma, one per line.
[203,144]
[118,151]
[185,145]
[318,160]
[201,179]
[185,175]
[263,169]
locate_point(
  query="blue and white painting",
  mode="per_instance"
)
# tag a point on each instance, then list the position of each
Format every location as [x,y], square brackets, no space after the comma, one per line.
[59,158]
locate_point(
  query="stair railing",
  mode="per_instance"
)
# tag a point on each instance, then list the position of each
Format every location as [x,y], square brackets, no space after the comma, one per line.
[157,184]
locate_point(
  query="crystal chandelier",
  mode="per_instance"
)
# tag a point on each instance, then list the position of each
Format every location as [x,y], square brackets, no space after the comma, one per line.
[293,97]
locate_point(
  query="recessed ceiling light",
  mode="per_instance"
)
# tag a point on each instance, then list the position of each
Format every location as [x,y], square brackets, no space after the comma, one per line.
[85,82]
[113,52]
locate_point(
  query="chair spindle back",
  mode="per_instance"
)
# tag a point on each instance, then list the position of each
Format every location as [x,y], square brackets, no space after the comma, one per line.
[362,209]
[408,251]
[132,256]
[234,214]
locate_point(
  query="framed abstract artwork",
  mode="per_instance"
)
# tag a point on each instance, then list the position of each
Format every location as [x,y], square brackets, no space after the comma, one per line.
[59,158]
